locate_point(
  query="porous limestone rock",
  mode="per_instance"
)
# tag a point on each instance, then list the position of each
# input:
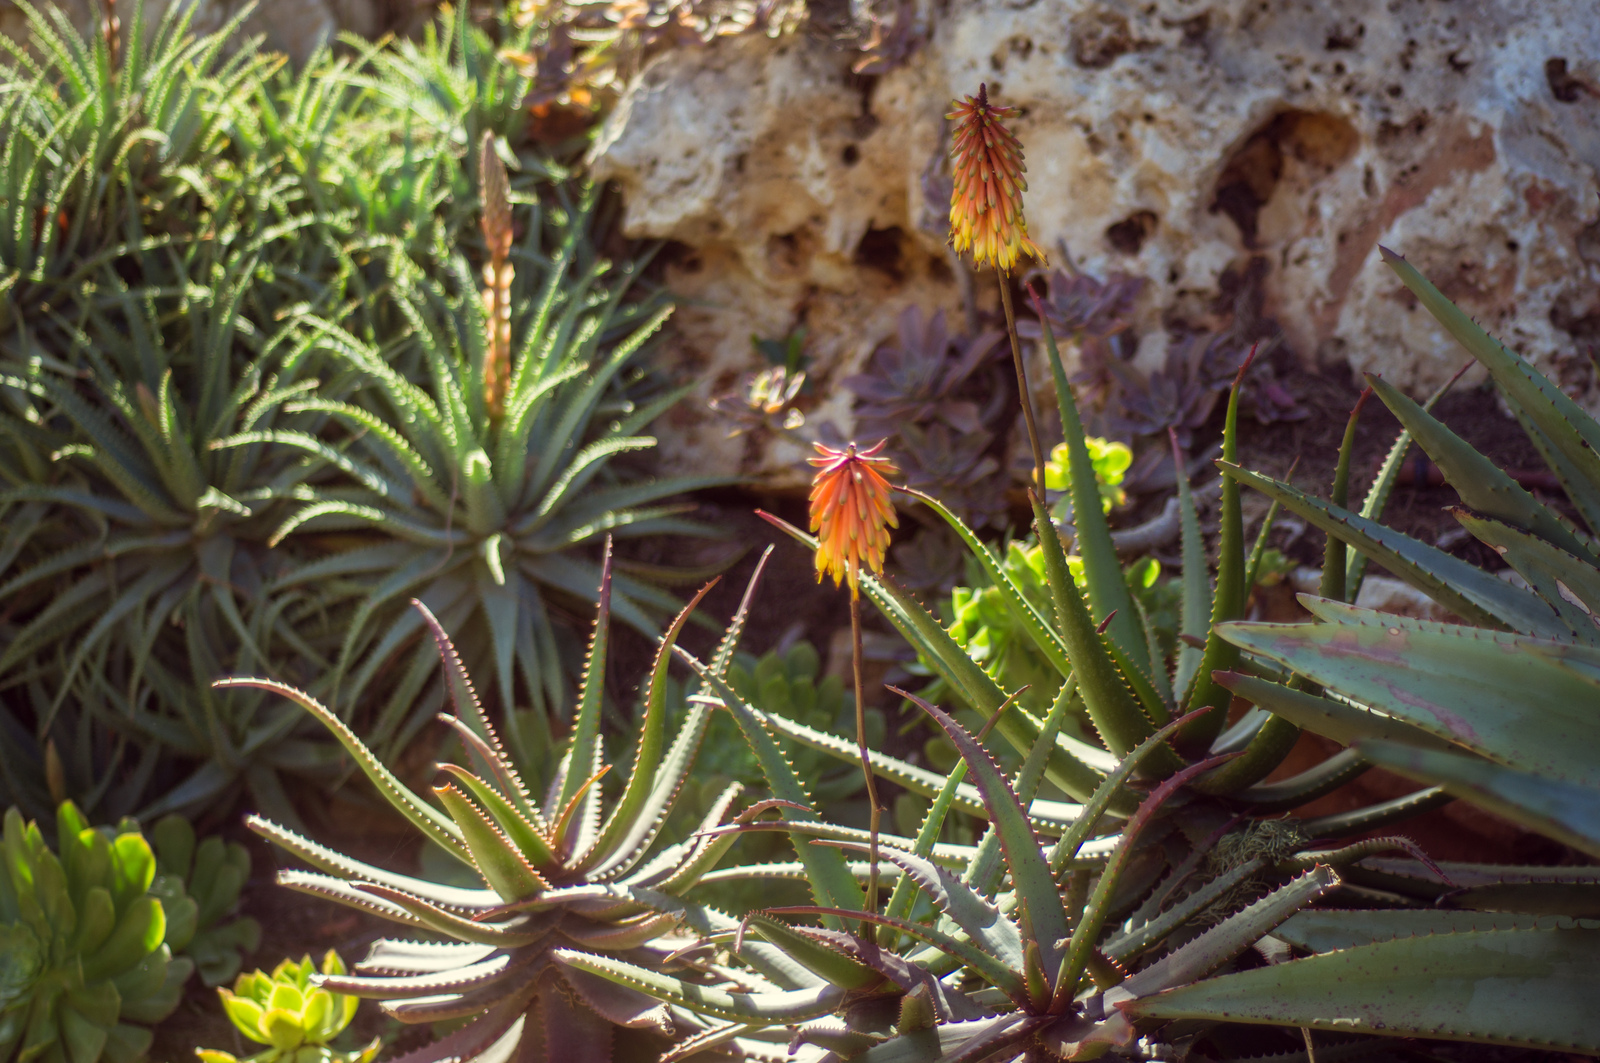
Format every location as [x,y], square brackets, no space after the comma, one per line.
[1176,139]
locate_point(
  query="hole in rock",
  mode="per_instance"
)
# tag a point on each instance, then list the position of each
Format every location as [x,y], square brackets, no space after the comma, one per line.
[880,249]
[1564,85]
[1129,234]
[1099,36]
[1315,142]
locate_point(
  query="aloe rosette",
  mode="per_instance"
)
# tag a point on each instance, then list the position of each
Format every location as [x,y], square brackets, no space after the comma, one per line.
[560,874]
[478,489]
[85,966]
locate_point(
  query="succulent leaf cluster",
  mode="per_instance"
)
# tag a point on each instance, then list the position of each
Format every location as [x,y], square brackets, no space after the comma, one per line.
[560,872]
[925,393]
[211,875]
[85,965]
[295,1019]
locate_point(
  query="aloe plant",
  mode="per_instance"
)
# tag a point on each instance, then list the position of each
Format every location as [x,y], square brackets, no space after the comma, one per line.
[154,580]
[478,491]
[1208,843]
[100,158]
[1486,710]
[293,1018]
[558,871]
[84,961]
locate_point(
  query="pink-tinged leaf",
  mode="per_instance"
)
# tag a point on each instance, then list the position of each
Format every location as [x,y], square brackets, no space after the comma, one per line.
[1042,916]
[616,1004]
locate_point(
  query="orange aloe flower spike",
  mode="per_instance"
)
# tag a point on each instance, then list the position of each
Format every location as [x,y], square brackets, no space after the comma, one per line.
[986,202]
[851,512]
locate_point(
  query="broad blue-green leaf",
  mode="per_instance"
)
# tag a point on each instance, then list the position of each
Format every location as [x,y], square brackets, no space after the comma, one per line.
[1514,987]
[1465,685]
[1567,812]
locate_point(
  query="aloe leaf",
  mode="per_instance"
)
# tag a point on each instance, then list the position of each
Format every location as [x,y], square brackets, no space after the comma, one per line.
[1038,628]
[435,824]
[904,897]
[336,863]
[1085,935]
[1464,685]
[1202,956]
[1197,589]
[1053,815]
[991,969]
[1480,483]
[1584,494]
[1062,853]
[832,965]
[1329,930]
[1570,584]
[499,861]
[468,708]
[1229,601]
[985,871]
[831,880]
[1463,588]
[523,835]
[1039,906]
[582,758]
[515,934]
[1374,817]
[1112,707]
[1108,590]
[1557,809]
[1338,720]
[1316,781]
[979,919]
[971,682]
[1512,987]
[793,1006]
[1334,559]
[680,755]
[1570,430]
[606,850]
[1127,946]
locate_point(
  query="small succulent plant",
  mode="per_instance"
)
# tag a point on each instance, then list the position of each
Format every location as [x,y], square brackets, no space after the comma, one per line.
[920,378]
[211,875]
[84,963]
[921,392]
[293,1017]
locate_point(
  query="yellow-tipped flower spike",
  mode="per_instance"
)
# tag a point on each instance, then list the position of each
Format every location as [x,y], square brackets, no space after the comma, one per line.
[986,202]
[851,512]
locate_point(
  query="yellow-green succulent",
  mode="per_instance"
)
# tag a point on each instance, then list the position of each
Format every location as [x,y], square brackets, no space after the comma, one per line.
[291,1015]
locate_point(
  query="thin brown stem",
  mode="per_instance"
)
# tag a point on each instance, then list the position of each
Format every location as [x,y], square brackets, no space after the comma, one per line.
[868,930]
[1022,383]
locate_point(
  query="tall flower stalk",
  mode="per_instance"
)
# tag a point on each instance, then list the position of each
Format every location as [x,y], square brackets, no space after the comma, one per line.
[495,191]
[851,514]
[986,218]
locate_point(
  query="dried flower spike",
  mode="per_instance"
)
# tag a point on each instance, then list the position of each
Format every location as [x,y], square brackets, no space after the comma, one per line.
[851,512]
[495,190]
[986,202]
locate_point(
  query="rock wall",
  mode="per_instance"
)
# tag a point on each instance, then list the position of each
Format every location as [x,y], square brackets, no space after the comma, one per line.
[1176,139]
